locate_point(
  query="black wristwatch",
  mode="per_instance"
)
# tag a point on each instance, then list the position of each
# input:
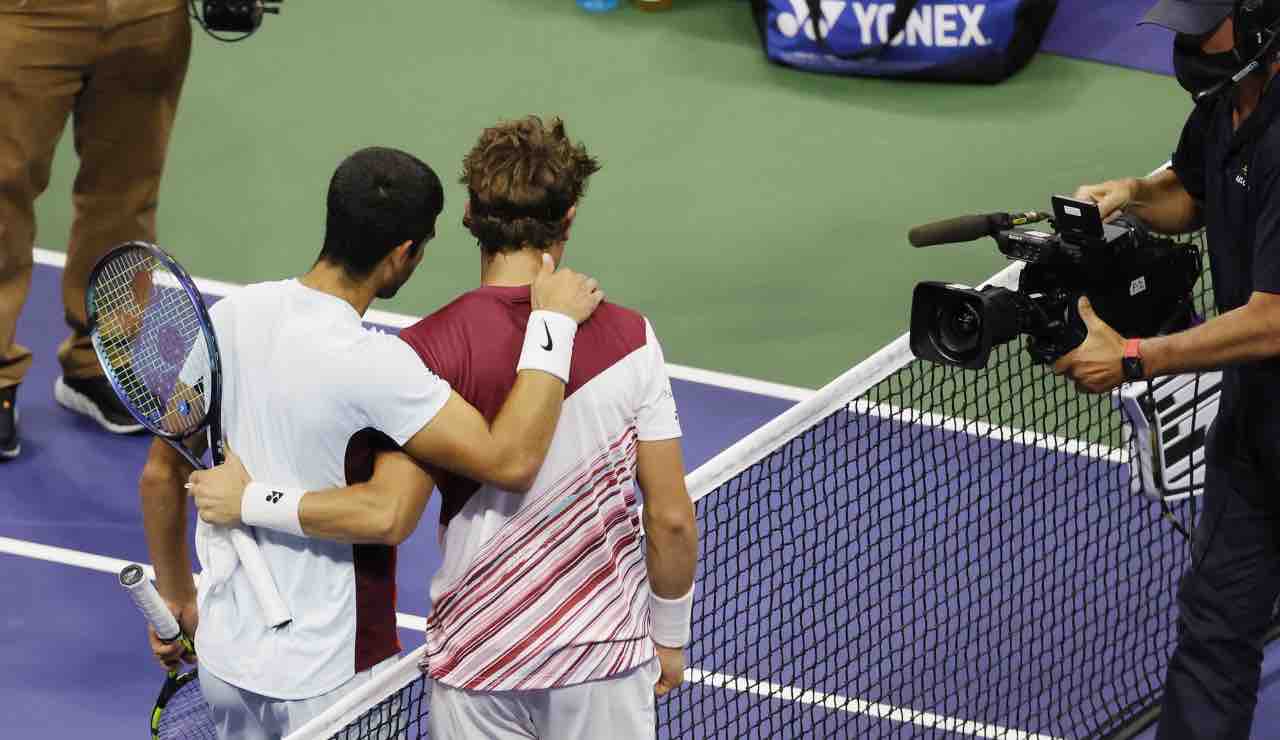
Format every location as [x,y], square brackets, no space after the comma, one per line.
[1132,362]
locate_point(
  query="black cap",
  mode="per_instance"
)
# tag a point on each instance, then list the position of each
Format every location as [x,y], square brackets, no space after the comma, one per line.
[1191,17]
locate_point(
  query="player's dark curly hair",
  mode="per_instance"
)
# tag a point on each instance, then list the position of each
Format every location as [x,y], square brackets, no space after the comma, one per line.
[523,176]
[379,198]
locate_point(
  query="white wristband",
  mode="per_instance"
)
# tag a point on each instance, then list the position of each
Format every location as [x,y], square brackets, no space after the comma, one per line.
[548,344]
[670,619]
[272,507]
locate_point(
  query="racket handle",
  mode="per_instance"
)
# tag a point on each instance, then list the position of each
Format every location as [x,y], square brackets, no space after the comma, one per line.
[264,588]
[134,580]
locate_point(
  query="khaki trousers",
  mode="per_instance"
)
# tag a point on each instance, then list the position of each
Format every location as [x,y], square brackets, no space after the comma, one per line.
[115,68]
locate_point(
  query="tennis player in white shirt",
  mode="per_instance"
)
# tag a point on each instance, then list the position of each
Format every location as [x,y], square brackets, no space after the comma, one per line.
[314,400]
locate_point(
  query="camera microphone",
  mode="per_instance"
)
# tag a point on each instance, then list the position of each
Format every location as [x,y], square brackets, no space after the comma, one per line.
[1248,69]
[969,228]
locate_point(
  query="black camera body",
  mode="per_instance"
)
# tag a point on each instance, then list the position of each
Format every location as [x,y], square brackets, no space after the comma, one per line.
[1136,281]
[234,16]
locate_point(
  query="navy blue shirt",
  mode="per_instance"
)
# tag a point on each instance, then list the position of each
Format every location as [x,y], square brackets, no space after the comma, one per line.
[1235,177]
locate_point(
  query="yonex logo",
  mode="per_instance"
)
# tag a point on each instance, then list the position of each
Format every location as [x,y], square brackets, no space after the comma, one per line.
[791,23]
[1138,285]
[274,497]
[945,25]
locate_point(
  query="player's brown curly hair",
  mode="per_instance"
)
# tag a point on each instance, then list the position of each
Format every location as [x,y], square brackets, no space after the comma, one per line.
[523,176]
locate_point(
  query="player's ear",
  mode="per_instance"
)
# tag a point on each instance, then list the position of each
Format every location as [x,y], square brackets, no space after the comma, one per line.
[405,252]
[568,220]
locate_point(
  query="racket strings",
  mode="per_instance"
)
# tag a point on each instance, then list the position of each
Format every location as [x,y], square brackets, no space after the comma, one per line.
[186,715]
[149,332]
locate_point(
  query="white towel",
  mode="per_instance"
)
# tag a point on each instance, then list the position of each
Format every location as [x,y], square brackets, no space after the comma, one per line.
[218,558]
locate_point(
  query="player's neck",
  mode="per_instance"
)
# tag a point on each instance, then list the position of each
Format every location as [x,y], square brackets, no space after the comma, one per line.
[512,269]
[331,279]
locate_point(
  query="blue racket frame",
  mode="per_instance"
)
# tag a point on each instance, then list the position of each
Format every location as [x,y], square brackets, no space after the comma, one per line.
[212,413]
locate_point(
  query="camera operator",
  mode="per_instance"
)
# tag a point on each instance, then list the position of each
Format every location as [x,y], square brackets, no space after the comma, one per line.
[1225,175]
[116,70]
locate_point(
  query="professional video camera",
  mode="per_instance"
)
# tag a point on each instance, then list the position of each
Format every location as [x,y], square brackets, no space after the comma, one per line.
[235,16]
[1137,282]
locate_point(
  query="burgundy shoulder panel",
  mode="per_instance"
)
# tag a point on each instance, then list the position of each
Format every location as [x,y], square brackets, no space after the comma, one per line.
[474,343]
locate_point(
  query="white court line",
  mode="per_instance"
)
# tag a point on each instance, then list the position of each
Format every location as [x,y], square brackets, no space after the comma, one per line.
[1012,435]
[839,703]
[90,561]
[102,563]
[50,258]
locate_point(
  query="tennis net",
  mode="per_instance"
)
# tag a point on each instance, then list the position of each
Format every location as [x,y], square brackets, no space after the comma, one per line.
[915,551]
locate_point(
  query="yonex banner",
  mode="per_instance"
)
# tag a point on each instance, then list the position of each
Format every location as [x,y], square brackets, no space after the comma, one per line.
[972,40]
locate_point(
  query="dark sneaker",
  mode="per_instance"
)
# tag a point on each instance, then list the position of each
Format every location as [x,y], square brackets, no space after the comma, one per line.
[95,398]
[9,443]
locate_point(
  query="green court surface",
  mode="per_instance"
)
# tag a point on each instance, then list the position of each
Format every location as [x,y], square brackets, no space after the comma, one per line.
[756,214]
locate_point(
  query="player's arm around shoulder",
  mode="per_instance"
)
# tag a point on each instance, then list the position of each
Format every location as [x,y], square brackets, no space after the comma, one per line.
[383,510]
[509,451]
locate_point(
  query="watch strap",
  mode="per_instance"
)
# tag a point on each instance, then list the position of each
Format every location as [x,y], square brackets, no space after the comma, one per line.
[1132,362]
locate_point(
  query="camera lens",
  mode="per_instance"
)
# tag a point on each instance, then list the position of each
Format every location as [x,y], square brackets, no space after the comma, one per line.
[958,327]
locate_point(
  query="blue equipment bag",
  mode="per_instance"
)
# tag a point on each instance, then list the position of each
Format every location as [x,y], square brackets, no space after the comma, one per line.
[963,40]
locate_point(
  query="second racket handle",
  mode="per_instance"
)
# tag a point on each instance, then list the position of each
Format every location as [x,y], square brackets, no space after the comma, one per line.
[148,601]
[264,587]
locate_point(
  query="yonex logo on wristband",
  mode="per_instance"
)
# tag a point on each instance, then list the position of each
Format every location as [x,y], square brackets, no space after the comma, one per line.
[274,497]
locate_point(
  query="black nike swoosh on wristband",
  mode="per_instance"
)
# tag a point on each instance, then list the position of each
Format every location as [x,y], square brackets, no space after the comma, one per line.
[549,345]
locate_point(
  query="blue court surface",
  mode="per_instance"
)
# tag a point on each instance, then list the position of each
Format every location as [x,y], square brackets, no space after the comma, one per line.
[1107,31]
[76,663]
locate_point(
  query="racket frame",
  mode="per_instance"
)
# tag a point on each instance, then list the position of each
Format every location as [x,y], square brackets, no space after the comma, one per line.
[211,420]
[173,683]
[272,604]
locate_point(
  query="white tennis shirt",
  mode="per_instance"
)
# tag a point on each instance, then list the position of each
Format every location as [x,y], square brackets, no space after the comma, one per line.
[301,375]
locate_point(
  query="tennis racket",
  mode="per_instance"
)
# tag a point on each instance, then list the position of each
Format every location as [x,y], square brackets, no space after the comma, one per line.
[152,334]
[181,711]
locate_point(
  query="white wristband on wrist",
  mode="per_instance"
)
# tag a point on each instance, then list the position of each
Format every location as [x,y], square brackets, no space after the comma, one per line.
[548,344]
[670,620]
[272,507]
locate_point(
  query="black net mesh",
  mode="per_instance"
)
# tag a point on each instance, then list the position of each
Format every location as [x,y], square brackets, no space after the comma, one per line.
[400,716]
[953,553]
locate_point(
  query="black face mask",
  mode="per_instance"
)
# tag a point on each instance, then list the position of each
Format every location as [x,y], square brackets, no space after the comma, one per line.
[1197,71]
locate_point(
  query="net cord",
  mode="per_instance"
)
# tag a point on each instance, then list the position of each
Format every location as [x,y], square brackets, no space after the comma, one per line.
[352,706]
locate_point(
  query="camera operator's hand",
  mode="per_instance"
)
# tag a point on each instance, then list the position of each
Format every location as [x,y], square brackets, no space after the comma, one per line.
[1111,196]
[1095,365]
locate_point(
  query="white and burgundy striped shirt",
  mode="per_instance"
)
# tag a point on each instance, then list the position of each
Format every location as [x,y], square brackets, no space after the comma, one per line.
[548,588]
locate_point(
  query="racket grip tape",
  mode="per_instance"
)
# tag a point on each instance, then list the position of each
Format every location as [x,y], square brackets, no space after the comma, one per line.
[255,567]
[134,580]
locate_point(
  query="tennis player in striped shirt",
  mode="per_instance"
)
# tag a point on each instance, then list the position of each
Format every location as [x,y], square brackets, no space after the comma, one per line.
[551,617]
